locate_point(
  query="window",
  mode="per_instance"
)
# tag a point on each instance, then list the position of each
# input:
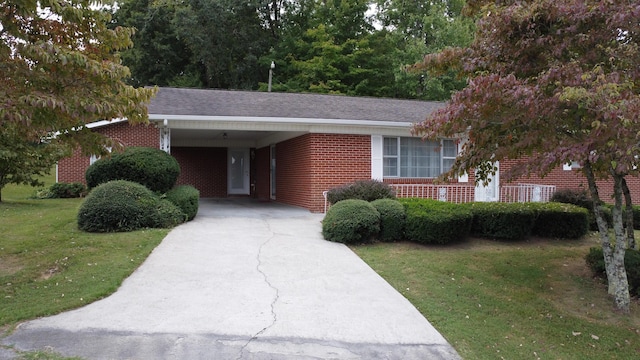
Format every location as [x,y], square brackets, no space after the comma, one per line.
[414,158]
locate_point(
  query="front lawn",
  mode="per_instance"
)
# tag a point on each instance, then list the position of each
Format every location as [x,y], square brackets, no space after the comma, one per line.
[518,300]
[47,265]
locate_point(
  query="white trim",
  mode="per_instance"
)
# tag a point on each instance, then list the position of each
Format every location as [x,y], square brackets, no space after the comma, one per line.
[490,192]
[105,122]
[245,170]
[165,139]
[279,120]
[377,166]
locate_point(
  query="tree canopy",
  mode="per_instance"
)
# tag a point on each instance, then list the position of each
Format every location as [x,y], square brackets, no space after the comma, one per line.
[551,82]
[332,46]
[59,70]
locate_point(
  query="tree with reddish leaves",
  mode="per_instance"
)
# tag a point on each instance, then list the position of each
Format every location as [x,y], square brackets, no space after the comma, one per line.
[59,70]
[551,82]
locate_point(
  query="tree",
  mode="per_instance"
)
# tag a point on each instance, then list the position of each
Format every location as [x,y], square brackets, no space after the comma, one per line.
[551,82]
[158,56]
[420,28]
[226,38]
[59,70]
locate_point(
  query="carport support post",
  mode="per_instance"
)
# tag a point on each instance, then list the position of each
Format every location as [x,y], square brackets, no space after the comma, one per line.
[165,137]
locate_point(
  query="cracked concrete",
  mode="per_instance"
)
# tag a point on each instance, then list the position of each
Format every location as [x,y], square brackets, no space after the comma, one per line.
[266,280]
[248,281]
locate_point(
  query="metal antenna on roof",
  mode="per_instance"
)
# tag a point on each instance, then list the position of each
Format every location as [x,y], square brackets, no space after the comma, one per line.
[273,66]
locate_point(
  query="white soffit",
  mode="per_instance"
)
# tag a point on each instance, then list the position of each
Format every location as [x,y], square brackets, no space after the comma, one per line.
[337,126]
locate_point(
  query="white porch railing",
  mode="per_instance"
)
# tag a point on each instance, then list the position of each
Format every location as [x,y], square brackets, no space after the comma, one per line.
[526,193]
[451,193]
[466,193]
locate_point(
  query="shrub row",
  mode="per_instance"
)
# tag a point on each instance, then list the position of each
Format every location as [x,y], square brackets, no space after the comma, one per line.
[580,198]
[595,261]
[430,221]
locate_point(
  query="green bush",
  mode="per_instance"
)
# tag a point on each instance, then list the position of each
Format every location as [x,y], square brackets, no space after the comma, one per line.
[392,219]
[558,220]
[595,261]
[150,167]
[67,190]
[351,221]
[501,220]
[367,190]
[125,206]
[167,215]
[571,196]
[185,197]
[582,199]
[431,221]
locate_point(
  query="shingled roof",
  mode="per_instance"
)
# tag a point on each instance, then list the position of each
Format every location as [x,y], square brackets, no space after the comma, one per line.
[207,102]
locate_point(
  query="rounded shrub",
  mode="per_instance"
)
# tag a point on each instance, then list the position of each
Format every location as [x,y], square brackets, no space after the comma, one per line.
[392,219]
[595,261]
[185,197]
[558,220]
[351,221]
[367,190]
[150,167]
[122,205]
[430,221]
[506,221]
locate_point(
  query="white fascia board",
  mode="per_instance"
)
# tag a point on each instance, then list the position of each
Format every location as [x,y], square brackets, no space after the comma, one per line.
[278,120]
[101,123]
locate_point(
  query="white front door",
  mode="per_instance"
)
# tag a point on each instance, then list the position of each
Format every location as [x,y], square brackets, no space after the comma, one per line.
[238,171]
[490,192]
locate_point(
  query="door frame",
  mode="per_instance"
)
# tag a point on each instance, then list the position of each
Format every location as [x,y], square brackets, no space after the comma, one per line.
[246,171]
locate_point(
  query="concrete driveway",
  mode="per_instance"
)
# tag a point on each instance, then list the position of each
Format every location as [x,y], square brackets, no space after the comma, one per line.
[244,280]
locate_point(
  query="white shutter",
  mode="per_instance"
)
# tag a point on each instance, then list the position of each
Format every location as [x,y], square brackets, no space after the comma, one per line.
[376,157]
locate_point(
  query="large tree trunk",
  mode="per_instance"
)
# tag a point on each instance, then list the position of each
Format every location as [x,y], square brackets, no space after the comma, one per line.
[631,240]
[613,254]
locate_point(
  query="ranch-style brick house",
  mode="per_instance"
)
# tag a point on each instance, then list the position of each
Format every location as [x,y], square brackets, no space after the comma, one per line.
[290,148]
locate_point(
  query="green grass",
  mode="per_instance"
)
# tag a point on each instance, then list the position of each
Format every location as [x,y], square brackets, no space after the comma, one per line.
[527,300]
[48,266]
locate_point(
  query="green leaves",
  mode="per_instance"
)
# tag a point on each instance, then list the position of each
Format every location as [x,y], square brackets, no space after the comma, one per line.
[59,70]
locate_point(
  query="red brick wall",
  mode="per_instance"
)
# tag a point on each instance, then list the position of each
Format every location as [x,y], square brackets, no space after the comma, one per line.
[72,169]
[336,160]
[312,163]
[293,165]
[204,168]
[574,179]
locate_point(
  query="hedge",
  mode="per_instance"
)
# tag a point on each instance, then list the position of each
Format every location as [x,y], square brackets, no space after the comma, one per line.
[150,167]
[351,221]
[558,220]
[392,219]
[430,221]
[507,221]
[582,199]
[185,197]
